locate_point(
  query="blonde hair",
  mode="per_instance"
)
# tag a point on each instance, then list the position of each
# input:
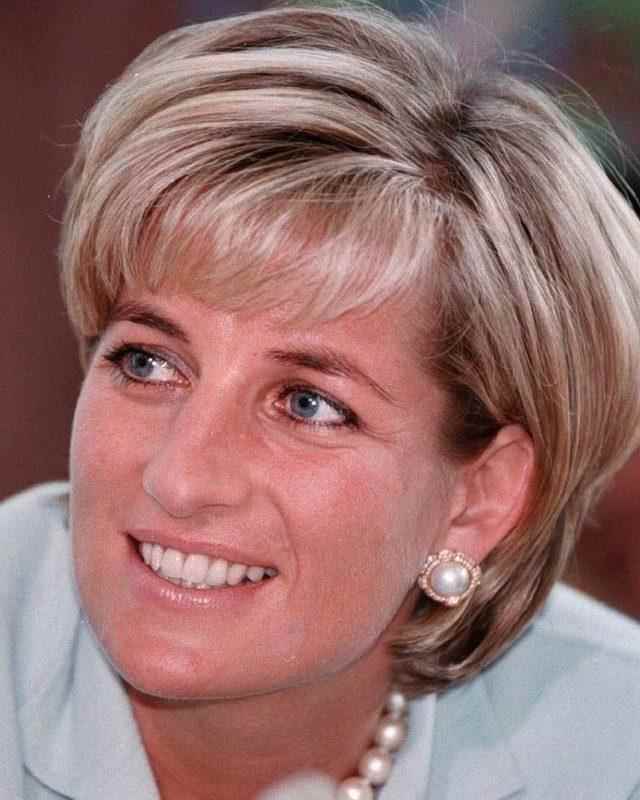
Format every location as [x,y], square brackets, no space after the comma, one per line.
[343,157]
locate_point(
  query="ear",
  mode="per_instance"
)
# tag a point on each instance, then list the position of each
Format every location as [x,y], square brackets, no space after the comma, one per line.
[490,493]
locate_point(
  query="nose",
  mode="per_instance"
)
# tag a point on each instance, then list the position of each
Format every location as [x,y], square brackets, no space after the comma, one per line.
[200,460]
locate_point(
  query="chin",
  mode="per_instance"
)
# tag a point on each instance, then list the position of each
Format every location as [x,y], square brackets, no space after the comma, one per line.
[162,669]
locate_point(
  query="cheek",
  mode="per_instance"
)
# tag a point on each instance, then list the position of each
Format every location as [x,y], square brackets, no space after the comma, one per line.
[110,444]
[358,531]
[100,439]
[363,503]
[104,461]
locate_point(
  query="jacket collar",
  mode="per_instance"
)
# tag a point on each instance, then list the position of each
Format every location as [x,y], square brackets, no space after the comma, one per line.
[471,758]
[80,739]
[79,735]
[411,767]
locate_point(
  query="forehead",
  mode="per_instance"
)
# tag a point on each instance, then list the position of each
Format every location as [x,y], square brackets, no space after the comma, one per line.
[390,325]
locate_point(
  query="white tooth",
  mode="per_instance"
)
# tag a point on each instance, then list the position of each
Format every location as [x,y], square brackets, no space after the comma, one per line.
[217,572]
[195,568]
[172,562]
[156,557]
[255,574]
[236,573]
[270,572]
[144,548]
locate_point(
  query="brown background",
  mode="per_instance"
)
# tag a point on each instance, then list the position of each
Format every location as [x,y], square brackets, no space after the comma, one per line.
[55,58]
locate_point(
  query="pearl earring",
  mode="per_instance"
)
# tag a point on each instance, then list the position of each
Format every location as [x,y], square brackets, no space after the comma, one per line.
[449,577]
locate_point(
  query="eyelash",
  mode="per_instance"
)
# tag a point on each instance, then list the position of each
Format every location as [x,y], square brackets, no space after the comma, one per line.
[116,356]
[350,419]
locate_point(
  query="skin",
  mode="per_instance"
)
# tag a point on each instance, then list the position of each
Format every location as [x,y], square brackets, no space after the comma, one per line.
[254,683]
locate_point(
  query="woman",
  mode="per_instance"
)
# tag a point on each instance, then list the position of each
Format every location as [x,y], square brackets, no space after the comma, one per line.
[347,311]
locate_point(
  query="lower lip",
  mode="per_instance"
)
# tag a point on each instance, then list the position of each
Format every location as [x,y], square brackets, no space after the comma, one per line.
[157,590]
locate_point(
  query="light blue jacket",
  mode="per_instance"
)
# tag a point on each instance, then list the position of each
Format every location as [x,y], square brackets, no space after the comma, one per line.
[557,717]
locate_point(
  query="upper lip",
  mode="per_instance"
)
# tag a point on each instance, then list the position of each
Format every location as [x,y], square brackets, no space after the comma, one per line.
[194,544]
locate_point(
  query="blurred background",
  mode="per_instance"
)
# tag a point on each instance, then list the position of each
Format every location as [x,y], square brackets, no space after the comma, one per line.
[55,59]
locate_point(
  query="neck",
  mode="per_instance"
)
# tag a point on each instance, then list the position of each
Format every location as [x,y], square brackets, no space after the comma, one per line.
[225,749]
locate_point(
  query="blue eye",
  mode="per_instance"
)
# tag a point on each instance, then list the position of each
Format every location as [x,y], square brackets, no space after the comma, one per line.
[307,406]
[141,364]
[137,365]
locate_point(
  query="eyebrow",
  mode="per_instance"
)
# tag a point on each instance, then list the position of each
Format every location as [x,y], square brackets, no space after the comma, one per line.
[142,314]
[329,362]
[322,359]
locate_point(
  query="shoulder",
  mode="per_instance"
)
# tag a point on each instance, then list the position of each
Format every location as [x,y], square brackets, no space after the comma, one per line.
[557,715]
[39,605]
[29,514]
[566,696]
[576,646]
[33,530]
[581,621]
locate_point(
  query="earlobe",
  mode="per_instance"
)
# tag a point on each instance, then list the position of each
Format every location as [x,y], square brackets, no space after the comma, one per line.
[492,493]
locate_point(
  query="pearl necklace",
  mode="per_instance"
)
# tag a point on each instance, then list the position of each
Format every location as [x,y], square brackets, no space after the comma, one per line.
[375,765]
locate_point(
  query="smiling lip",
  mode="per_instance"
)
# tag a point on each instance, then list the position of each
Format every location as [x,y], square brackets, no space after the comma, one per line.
[200,546]
[154,591]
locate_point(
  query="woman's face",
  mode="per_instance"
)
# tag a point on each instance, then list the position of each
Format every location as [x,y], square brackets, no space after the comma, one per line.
[217,439]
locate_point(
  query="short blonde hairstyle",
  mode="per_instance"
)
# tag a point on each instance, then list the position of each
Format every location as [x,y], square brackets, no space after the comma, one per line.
[342,157]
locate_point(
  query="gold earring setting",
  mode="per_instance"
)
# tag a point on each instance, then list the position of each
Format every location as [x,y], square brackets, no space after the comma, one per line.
[448,577]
